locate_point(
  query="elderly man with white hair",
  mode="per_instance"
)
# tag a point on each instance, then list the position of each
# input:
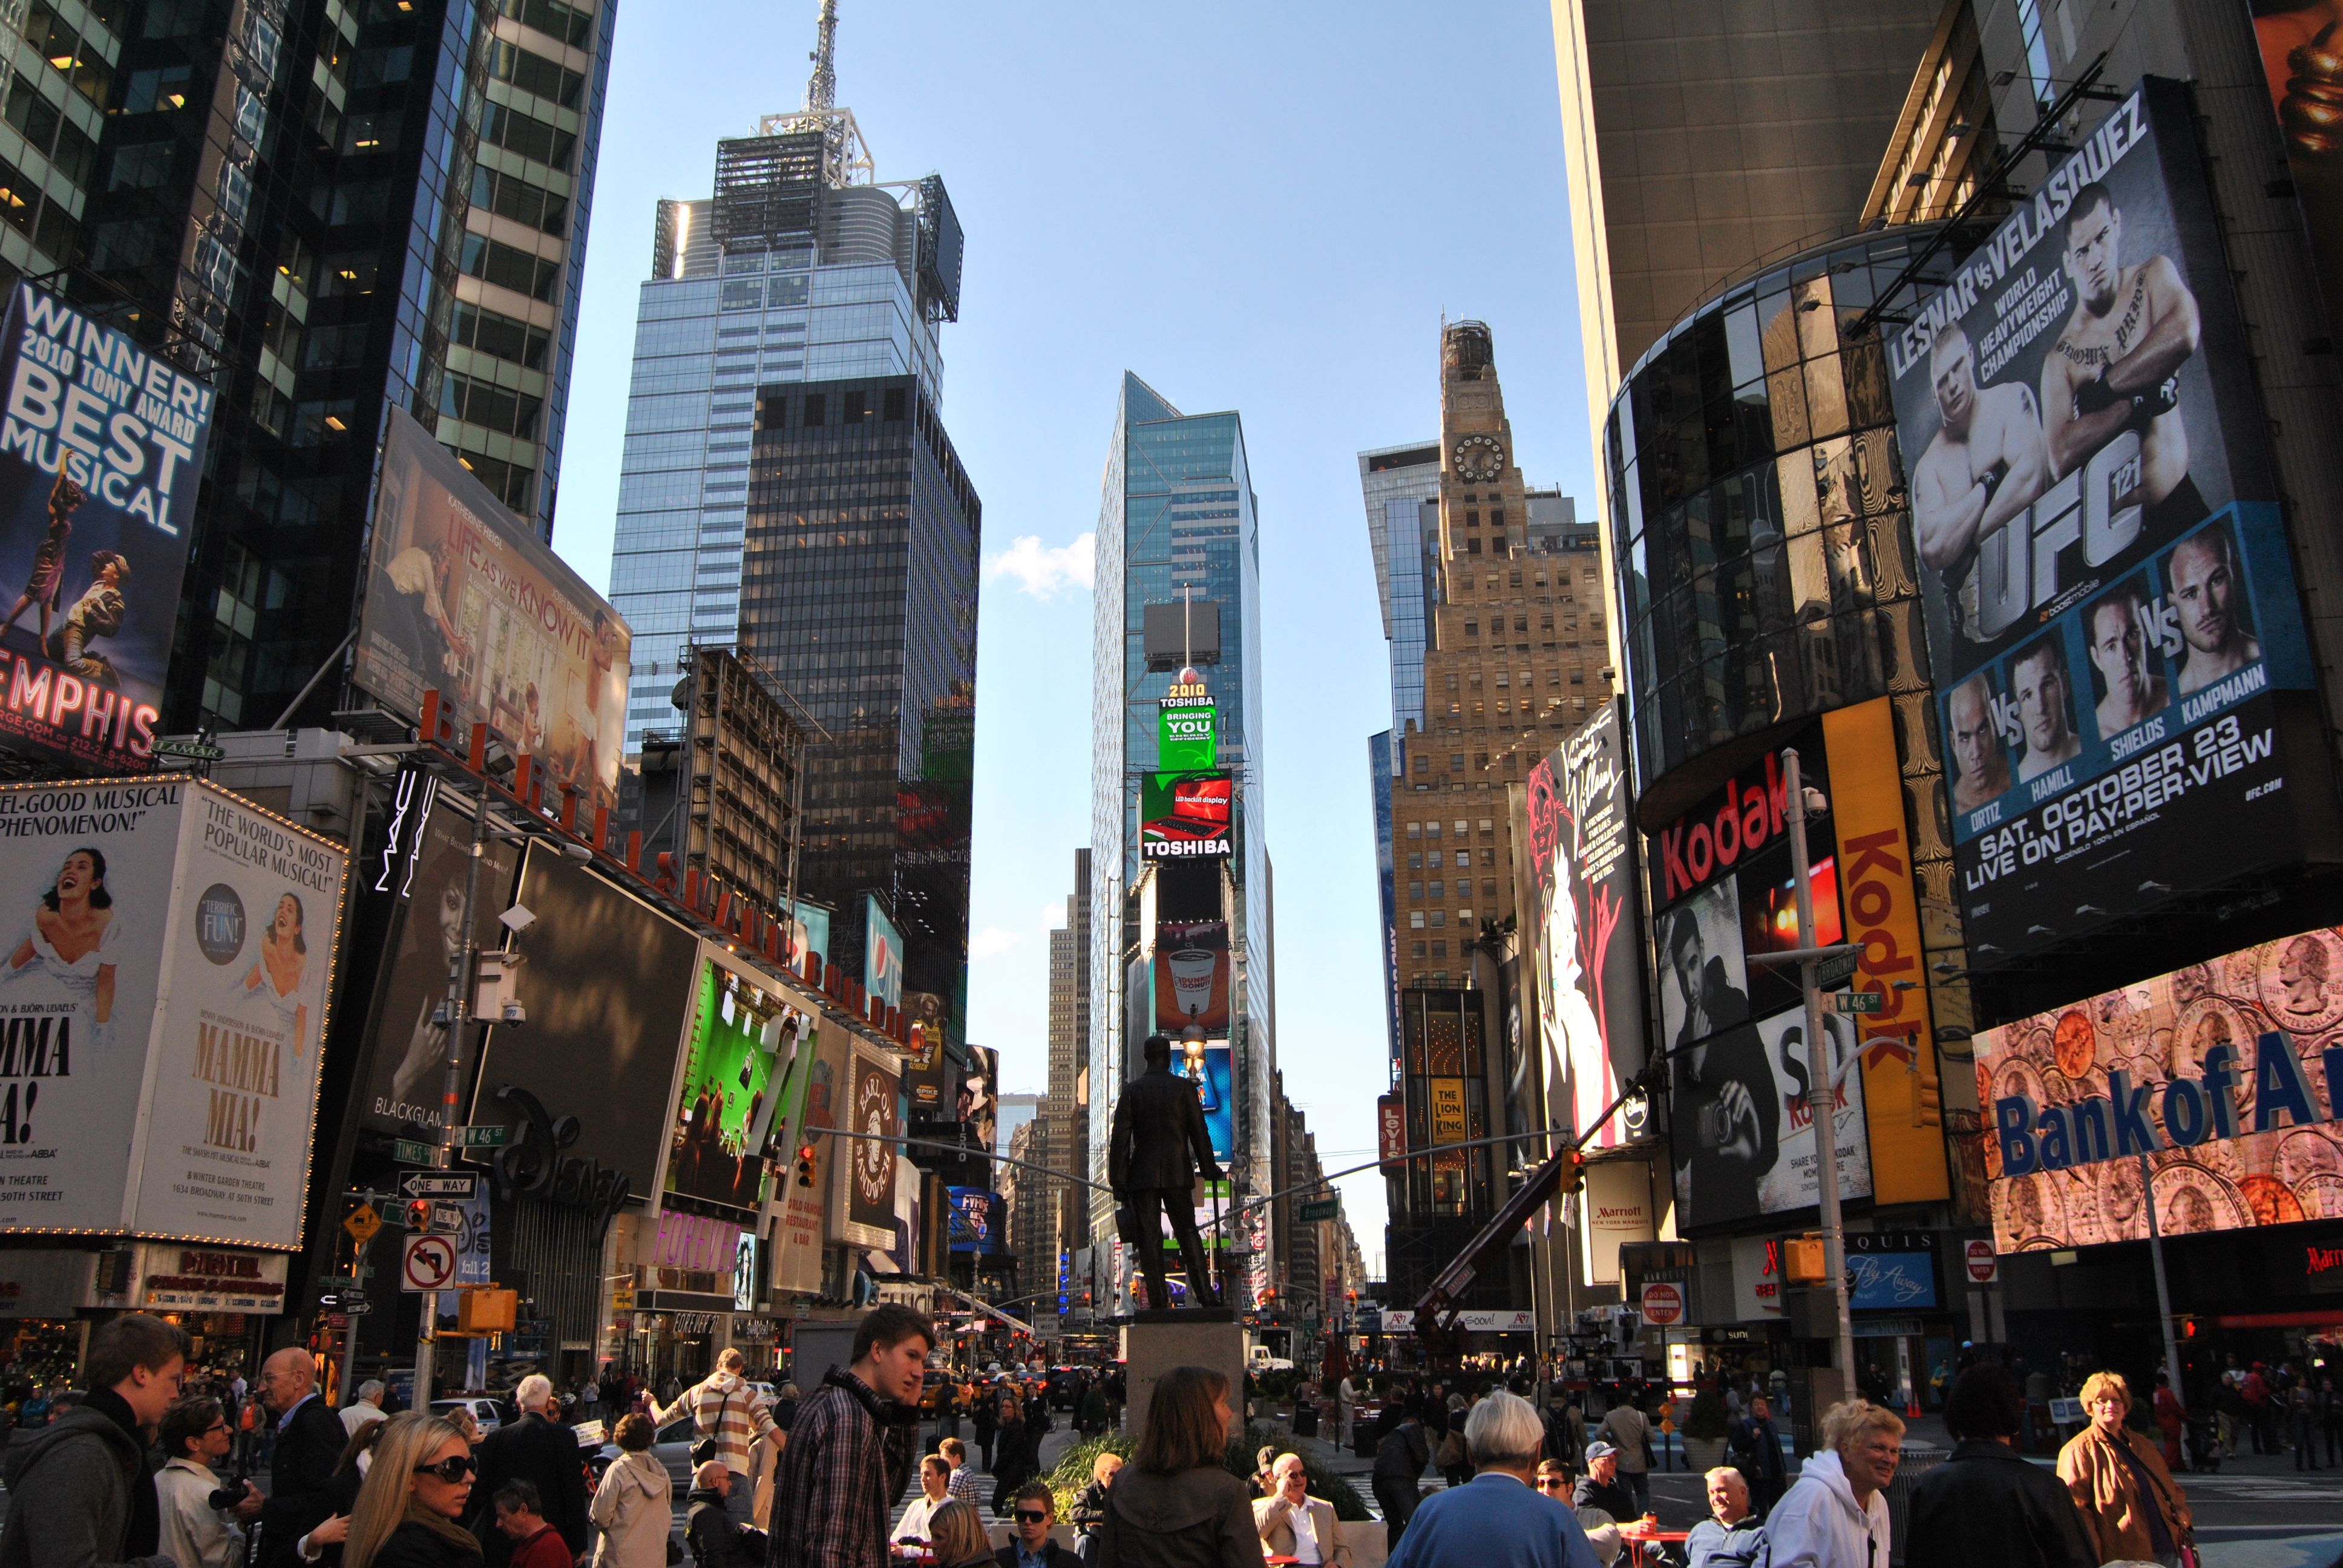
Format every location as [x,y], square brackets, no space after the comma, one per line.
[1293,1523]
[1497,1520]
[539,1450]
[367,1407]
[1731,1536]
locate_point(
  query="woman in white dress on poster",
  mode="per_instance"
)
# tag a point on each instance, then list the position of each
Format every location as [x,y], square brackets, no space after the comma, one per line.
[283,963]
[71,936]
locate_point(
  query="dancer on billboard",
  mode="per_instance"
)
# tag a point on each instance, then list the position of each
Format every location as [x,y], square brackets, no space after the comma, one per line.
[2207,587]
[2116,365]
[1987,465]
[283,964]
[99,612]
[71,934]
[45,584]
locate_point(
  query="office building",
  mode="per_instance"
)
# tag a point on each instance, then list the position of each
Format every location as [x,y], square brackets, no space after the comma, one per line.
[323,211]
[798,269]
[1066,1110]
[1177,513]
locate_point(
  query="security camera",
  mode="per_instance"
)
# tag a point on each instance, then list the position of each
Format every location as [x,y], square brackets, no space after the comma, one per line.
[514,1014]
[583,853]
[518,918]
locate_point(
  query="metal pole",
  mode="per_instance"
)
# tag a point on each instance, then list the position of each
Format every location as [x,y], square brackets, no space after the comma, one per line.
[459,1007]
[1822,1084]
[2162,1291]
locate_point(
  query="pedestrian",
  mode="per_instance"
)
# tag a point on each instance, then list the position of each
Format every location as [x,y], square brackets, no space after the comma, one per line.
[1030,1545]
[1089,1511]
[850,1453]
[1629,1431]
[963,1485]
[734,1417]
[542,1452]
[2171,1419]
[1175,1505]
[986,1418]
[935,1479]
[1753,1446]
[2260,1413]
[367,1407]
[1600,1488]
[1496,1517]
[196,1435]
[309,1440]
[520,1520]
[717,1538]
[78,1490]
[1347,1406]
[1734,1534]
[2133,1510]
[1293,1523]
[1987,1503]
[2302,1427]
[1837,1515]
[1400,1459]
[959,1541]
[417,1486]
[1009,1443]
[1093,1407]
[1451,1457]
[2330,1410]
[630,1502]
[2229,1416]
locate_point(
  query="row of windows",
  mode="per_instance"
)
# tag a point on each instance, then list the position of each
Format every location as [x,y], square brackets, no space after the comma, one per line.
[534,73]
[523,201]
[1464,888]
[551,17]
[81,61]
[505,126]
[491,407]
[492,261]
[813,408]
[43,124]
[490,332]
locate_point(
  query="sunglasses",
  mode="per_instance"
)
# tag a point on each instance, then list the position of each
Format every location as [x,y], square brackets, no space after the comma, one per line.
[1030,1516]
[1552,1482]
[451,1470]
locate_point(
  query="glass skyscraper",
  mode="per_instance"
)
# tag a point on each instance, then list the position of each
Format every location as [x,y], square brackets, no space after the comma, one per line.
[1177,511]
[1401,486]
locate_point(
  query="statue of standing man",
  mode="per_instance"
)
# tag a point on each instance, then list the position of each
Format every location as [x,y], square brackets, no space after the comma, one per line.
[1158,1146]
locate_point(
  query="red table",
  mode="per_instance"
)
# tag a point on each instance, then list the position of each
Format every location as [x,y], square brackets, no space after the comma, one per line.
[1647,1541]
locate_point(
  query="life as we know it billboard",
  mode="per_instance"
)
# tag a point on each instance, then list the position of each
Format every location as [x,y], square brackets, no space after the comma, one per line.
[2110,606]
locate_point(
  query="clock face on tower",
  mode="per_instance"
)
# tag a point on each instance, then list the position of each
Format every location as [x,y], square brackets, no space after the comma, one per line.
[1480,458]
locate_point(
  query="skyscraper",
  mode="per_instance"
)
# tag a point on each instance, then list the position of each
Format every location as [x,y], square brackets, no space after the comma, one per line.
[798,269]
[323,210]
[787,484]
[1070,1010]
[1177,512]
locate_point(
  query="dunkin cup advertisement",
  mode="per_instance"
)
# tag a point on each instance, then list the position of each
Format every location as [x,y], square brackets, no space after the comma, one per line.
[172,936]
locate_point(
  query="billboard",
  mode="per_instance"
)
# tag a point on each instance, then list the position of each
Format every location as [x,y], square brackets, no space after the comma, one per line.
[1583,935]
[867,1193]
[1191,975]
[406,1072]
[812,1097]
[1883,912]
[1187,734]
[2225,1075]
[2106,579]
[101,446]
[721,1134]
[1184,816]
[980,1221]
[1216,1086]
[607,982]
[1893,1271]
[161,1011]
[882,954]
[978,1100]
[462,597]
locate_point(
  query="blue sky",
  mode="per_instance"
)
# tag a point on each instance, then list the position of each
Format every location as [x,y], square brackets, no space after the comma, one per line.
[1260,207]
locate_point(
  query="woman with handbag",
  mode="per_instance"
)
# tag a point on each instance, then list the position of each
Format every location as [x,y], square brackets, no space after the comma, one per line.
[2133,1510]
[630,1502]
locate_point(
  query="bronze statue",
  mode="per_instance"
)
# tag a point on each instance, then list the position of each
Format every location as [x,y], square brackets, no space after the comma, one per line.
[1158,1145]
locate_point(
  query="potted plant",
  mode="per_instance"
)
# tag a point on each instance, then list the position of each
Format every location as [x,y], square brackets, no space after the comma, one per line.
[1704,1430]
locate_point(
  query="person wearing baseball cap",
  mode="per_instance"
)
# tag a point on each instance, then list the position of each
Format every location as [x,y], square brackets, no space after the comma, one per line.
[1600,1486]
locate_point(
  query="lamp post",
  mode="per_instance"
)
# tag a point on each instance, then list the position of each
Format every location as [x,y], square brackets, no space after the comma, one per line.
[1822,1092]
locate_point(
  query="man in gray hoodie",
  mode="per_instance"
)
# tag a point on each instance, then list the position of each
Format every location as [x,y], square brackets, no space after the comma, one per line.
[79,1492]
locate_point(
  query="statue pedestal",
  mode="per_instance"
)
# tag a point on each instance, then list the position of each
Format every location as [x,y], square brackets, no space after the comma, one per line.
[1155,1342]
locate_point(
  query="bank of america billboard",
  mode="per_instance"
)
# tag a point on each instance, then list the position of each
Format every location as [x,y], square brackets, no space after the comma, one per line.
[2109,599]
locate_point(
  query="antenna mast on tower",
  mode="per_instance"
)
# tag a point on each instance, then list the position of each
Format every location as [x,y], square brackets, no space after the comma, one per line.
[846,156]
[821,92]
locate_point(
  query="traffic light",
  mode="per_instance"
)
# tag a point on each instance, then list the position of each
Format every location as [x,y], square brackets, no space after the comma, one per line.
[1574,1175]
[419,1216]
[805,1165]
[1928,1100]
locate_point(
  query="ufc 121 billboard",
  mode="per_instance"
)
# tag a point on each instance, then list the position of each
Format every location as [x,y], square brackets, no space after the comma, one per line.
[2109,599]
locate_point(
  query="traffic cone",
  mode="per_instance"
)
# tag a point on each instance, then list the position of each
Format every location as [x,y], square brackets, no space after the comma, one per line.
[1912,1406]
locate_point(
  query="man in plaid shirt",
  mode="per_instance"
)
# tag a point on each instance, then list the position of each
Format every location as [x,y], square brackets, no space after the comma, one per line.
[850,1449]
[725,1409]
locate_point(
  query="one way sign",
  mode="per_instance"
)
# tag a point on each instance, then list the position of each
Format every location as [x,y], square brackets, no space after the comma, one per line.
[417,1184]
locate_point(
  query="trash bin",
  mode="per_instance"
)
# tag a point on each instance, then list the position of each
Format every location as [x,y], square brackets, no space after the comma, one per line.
[1918,1459]
[1305,1419]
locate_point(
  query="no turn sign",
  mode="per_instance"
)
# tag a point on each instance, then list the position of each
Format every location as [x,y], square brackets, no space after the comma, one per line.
[428,1263]
[1984,1267]
[1664,1304]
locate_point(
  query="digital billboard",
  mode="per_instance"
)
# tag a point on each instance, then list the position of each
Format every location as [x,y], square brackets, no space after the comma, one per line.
[866,1195]
[102,445]
[1584,929]
[462,597]
[721,1137]
[1184,816]
[978,1100]
[812,1099]
[161,1009]
[1191,975]
[2109,596]
[1187,735]
[2225,1075]
[980,1221]
[882,954]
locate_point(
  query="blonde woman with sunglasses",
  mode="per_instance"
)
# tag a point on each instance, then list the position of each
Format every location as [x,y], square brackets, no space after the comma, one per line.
[415,1492]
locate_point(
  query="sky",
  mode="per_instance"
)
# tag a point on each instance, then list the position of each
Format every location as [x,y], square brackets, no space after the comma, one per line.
[1268,208]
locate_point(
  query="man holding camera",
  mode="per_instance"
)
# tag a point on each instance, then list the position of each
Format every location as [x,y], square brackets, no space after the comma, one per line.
[202,1519]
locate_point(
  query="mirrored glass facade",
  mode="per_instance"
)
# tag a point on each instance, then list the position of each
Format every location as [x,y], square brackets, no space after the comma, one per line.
[1758,503]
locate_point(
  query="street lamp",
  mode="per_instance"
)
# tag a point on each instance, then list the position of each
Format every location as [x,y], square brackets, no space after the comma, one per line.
[1822,1087]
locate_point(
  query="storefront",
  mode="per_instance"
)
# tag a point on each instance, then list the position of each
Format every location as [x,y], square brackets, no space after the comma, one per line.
[42,1332]
[222,1296]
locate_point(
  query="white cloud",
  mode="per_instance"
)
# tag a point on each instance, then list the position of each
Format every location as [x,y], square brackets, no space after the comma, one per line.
[1042,570]
[991,942]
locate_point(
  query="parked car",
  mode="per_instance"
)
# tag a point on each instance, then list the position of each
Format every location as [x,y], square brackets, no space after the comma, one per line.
[937,1392]
[670,1446]
[487,1414]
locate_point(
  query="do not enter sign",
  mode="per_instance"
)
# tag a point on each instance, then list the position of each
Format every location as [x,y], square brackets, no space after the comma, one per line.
[1984,1267]
[1664,1304]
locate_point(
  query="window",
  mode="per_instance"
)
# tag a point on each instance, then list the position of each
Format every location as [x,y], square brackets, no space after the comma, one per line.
[375,132]
[552,18]
[331,345]
[1488,887]
[501,264]
[381,67]
[1417,950]
[1415,860]
[491,333]
[1415,919]
[1415,829]
[1431,829]
[857,410]
[1488,826]
[894,405]
[508,196]
[534,73]
[505,126]
[366,201]
[31,113]
[74,156]
[1436,859]
[1457,762]
[817,410]
[1415,890]
[1435,890]
[1452,681]
[352,273]
[2037,48]
[491,407]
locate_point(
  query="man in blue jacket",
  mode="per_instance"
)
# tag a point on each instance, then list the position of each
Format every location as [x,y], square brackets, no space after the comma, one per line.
[1497,1520]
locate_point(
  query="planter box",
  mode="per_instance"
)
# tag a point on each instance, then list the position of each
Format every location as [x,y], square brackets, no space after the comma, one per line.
[1706,1453]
